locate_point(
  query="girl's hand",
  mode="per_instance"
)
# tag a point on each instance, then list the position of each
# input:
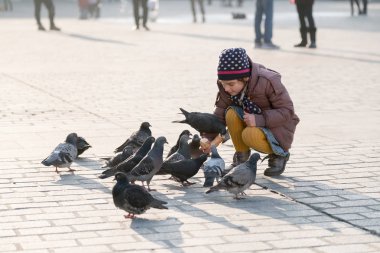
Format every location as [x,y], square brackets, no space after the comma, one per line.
[292,1]
[249,119]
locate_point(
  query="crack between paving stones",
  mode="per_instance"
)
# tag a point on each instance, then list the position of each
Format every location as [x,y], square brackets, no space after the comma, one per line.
[373,232]
[63,100]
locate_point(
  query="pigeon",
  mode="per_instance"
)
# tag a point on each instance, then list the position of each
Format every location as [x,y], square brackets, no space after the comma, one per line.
[213,167]
[182,153]
[64,154]
[128,164]
[203,122]
[119,157]
[182,170]
[132,198]
[176,146]
[239,178]
[150,164]
[82,145]
[195,143]
[136,140]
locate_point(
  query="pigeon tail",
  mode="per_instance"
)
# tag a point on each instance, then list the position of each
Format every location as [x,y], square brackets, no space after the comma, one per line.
[107,173]
[209,181]
[186,113]
[213,189]
[159,204]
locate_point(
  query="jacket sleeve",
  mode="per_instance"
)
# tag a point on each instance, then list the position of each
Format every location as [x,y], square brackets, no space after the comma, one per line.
[282,109]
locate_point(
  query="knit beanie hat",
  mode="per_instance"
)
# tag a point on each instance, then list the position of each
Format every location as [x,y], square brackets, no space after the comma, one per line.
[233,64]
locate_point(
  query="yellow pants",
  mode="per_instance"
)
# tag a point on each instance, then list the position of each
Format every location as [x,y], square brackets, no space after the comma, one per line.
[244,137]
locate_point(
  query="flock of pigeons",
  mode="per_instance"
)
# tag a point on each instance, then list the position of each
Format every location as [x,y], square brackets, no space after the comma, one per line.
[140,157]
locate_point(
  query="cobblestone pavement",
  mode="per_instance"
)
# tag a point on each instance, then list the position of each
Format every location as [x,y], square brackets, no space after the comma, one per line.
[101,80]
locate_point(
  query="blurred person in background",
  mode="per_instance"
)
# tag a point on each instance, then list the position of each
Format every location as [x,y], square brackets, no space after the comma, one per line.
[305,11]
[136,6]
[194,12]
[37,13]
[264,7]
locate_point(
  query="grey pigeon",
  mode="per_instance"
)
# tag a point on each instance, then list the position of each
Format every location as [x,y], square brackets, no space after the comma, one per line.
[203,122]
[119,157]
[136,140]
[213,167]
[64,154]
[194,145]
[239,178]
[150,164]
[133,199]
[182,170]
[176,146]
[182,153]
[128,164]
[82,145]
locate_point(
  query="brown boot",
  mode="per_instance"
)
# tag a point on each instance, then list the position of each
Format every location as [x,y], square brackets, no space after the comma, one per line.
[276,165]
[239,157]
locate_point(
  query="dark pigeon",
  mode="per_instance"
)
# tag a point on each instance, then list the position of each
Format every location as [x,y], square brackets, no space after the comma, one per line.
[194,145]
[64,154]
[213,167]
[128,164]
[203,122]
[150,164]
[136,140]
[119,157]
[82,145]
[176,146]
[182,153]
[133,199]
[182,170]
[239,178]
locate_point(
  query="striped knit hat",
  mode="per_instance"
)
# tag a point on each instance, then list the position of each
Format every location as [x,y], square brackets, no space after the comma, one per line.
[233,64]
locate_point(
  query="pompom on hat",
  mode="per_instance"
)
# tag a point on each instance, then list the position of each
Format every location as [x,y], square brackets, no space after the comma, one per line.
[233,64]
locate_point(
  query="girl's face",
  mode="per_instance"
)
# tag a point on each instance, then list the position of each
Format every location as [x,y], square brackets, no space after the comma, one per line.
[233,87]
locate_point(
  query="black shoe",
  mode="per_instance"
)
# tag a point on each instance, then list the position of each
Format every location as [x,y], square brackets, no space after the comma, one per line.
[302,44]
[313,45]
[146,28]
[276,165]
[41,28]
[54,28]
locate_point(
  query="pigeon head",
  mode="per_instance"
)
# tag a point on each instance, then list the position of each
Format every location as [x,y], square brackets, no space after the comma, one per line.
[121,177]
[254,158]
[185,132]
[161,140]
[196,139]
[145,125]
[72,139]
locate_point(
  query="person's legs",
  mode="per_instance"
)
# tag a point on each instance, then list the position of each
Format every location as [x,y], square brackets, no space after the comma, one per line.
[50,8]
[258,19]
[365,2]
[37,14]
[312,28]
[235,128]
[268,11]
[145,13]
[136,13]
[255,138]
[303,28]
[201,6]
[192,3]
